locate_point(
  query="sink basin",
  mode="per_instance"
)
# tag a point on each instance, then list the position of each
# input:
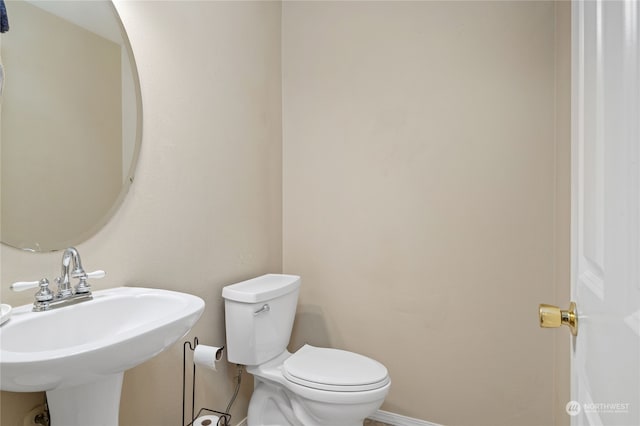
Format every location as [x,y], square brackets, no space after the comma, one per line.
[75,348]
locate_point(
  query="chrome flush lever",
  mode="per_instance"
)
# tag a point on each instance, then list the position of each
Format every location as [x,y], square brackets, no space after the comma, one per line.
[265,308]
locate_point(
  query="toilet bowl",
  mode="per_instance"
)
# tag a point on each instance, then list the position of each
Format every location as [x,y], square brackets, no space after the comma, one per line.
[311,387]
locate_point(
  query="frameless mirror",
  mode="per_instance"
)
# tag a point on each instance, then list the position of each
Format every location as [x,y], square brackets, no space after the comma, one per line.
[70,121]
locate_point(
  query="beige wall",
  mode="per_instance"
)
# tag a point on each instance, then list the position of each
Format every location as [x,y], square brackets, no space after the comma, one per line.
[205,209]
[423,202]
[58,73]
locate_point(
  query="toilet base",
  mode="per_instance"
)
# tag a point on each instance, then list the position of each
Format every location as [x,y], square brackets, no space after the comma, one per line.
[271,405]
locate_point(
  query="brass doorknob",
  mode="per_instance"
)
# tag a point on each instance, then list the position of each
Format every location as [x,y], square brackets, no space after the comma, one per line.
[552,317]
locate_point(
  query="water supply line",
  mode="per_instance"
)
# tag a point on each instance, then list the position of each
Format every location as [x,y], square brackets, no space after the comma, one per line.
[239,369]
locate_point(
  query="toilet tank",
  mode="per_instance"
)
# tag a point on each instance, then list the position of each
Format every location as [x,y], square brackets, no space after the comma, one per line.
[259,317]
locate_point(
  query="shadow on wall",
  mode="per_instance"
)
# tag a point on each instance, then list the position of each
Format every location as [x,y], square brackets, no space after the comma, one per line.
[309,327]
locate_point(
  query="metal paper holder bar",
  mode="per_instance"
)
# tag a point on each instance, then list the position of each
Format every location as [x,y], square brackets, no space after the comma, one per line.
[224,418]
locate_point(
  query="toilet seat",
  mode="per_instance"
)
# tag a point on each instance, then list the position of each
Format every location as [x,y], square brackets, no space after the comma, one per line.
[334,370]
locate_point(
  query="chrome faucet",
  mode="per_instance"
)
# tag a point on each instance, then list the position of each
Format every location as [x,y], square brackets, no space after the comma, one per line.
[65,295]
[64,284]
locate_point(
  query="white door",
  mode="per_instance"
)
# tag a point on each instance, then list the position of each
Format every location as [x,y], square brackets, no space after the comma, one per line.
[605,383]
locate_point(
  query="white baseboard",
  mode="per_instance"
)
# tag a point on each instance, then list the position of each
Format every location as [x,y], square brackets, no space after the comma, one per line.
[385,417]
[399,420]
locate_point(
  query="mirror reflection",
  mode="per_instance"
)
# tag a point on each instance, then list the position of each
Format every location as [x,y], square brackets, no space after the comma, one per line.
[69,121]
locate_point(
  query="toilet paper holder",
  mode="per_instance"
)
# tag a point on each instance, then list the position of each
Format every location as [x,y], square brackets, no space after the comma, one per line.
[224,418]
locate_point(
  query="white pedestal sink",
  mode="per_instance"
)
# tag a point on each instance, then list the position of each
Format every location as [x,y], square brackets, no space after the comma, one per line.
[78,353]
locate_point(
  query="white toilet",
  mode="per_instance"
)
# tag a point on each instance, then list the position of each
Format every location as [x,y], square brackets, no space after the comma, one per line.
[313,386]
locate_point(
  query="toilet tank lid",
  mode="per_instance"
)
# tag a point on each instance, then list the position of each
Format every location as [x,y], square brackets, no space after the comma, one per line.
[262,288]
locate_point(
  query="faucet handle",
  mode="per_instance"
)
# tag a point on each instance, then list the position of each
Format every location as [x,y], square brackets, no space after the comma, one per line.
[82,286]
[86,275]
[24,285]
[43,295]
[96,274]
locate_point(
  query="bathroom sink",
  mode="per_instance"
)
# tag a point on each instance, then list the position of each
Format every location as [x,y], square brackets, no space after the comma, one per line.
[78,344]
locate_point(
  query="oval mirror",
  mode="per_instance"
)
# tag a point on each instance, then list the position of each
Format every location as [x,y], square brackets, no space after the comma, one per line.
[70,121]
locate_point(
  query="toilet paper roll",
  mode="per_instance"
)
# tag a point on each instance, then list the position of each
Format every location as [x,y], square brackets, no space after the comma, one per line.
[207,356]
[209,420]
